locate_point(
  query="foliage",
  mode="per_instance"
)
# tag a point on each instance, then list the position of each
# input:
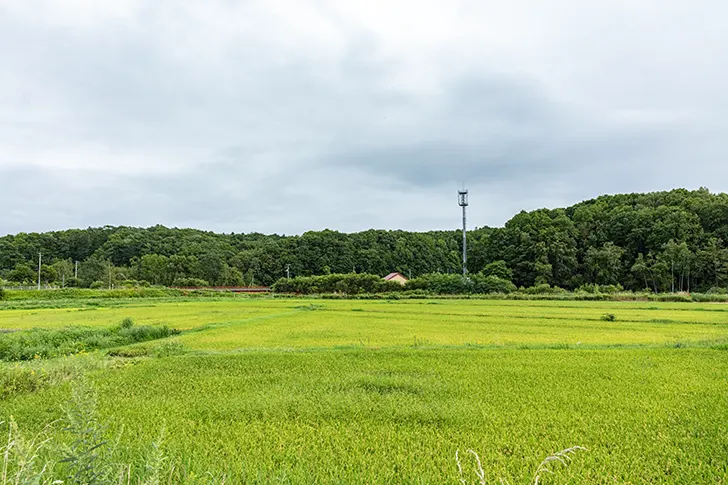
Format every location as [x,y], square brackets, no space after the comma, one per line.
[543,289]
[491,284]
[190,282]
[442,284]
[666,241]
[596,288]
[349,284]
[498,268]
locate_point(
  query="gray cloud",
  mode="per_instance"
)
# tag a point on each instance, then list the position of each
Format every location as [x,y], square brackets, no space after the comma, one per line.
[247,118]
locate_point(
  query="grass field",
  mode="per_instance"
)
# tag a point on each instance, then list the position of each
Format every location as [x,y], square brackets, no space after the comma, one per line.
[330,391]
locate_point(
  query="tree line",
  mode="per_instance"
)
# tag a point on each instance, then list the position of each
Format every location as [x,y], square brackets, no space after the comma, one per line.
[661,241]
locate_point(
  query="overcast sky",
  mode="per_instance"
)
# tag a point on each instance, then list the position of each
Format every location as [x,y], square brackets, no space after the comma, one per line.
[286,116]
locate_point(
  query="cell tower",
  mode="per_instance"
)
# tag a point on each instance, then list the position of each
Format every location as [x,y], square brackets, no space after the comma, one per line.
[463,202]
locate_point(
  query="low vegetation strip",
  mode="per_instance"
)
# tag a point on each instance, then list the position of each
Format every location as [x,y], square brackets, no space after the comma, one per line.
[41,343]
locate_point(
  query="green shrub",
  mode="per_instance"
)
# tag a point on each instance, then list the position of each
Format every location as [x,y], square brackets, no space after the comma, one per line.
[348,284]
[594,288]
[717,290]
[442,284]
[608,317]
[190,282]
[3,294]
[543,289]
[498,268]
[129,352]
[492,284]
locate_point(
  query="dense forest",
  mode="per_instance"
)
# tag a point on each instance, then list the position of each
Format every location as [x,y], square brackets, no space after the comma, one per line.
[662,241]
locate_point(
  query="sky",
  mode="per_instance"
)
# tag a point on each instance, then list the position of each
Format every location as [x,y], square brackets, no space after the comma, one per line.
[283,116]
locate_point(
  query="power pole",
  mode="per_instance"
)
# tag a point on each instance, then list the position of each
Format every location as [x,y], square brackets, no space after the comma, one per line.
[463,202]
[288,271]
[75,275]
[40,259]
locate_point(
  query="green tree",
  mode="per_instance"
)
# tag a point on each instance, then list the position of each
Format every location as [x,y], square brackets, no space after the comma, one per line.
[22,273]
[679,260]
[604,265]
[712,259]
[498,268]
[641,270]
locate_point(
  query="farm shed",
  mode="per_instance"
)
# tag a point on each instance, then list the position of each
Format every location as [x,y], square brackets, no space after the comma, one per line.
[398,277]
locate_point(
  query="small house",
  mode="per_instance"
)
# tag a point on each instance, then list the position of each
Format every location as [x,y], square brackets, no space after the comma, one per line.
[398,277]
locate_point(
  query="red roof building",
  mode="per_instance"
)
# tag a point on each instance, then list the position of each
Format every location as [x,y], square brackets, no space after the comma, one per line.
[398,277]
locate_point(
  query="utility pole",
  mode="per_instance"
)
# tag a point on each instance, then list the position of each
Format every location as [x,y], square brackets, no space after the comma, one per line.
[109,274]
[75,275]
[40,260]
[463,202]
[288,271]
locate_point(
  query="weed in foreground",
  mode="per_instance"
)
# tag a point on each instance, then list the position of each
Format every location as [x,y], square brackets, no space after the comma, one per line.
[25,461]
[562,457]
[86,456]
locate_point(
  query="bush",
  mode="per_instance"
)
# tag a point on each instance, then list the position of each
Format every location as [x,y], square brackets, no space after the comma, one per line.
[715,290]
[97,285]
[190,282]
[608,317]
[3,294]
[543,289]
[594,288]
[442,284]
[498,268]
[492,284]
[349,284]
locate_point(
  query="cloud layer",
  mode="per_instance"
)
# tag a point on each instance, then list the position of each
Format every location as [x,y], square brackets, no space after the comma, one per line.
[285,116]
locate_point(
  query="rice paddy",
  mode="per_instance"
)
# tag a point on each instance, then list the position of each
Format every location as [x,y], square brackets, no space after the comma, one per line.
[345,391]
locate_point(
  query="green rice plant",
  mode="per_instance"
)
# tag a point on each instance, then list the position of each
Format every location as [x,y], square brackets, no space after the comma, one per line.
[168,349]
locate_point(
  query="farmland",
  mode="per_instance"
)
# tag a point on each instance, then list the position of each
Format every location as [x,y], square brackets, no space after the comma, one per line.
[344,391]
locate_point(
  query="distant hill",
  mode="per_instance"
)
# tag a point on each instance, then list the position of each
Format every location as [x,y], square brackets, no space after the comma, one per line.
[660,240]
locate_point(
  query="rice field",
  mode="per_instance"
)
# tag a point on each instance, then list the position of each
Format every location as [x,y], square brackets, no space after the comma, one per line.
[345,391]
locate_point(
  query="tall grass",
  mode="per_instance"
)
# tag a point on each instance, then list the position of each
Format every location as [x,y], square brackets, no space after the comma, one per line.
[89,457]
[41,343]
[562,457]
[32,376]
